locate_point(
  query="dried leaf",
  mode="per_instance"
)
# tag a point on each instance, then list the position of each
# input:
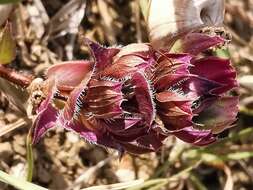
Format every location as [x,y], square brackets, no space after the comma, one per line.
[8,128]
[15,94]
[5,11]
[7,45]
[144,5]
[171,18]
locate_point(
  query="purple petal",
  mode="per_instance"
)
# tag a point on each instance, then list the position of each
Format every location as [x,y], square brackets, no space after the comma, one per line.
[46,114]
[203,103]
[194,43]
[169,81]
[144,144]
[168,64]
[103,99]
[73,105]
[74,102]
[70,74]
[191,86]
[216,69]
[126,129]
[121,124]
[143,94]
[142,50]
[103,56]
[221,114]
[93,132]
[170,70]
[197,86]
[174,110]
[126,66]
[130,134]
[195,136]
[174,58]
[44,121]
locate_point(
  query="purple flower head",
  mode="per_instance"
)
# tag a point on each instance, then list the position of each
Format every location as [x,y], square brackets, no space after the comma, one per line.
[132,98]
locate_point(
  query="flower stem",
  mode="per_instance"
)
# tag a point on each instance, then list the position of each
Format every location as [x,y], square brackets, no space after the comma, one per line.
[15,77]
[29,157]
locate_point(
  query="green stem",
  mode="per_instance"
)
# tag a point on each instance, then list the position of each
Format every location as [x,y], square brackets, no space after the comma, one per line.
[235,137]
[164,181]
[196,182]
[18,183]
[29,157]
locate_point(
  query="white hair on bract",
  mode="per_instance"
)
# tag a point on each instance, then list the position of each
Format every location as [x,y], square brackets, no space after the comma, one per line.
[168,19]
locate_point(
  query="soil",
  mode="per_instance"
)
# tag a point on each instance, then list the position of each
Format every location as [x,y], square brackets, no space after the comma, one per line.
[46,35]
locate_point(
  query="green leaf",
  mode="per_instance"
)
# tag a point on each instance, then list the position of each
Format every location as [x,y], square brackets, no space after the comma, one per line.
[18,183]
[9,1]
[177,46]
[7,45]
[238,155]
[222,53]
[211,158]
[243,134]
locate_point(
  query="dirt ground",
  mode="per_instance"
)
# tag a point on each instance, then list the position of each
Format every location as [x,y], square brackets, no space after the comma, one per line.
[46,33]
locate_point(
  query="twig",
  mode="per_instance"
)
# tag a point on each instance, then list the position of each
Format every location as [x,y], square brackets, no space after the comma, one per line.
[21,79]
[15,77]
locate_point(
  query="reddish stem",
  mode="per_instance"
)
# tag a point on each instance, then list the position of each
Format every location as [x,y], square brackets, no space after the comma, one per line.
[21,79]
[15,77]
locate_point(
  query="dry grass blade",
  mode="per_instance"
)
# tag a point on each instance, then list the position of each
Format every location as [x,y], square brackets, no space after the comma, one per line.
[67,19]
[246,80]
[8,128]
[116,186]
[229,182]
[107,21]
[42,10]
[18,183]
[137,11]
[84,178]
[160,182]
